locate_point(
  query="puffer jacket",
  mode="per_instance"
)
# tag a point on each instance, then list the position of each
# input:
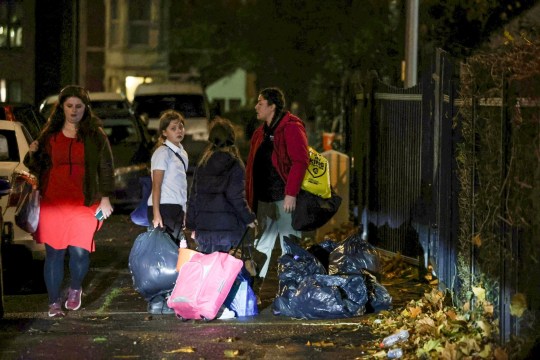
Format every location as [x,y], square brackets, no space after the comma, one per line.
[217,200]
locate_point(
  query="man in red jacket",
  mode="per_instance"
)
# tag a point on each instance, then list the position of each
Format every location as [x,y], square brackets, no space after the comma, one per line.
[277,161]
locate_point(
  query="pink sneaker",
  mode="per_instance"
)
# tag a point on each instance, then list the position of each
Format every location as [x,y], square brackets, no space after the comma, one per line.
[73,301]
[55,310]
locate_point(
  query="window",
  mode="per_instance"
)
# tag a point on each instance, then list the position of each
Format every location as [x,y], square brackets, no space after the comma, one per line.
[115,24]
[10,150]
[139,22]
[121,131]
[11,31]
[219,105]
[234,104]
[10,90]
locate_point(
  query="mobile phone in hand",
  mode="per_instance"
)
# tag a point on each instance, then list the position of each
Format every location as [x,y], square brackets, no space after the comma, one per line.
[99,215]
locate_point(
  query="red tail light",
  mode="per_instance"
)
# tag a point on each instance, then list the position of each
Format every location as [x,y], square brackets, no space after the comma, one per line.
[9,113]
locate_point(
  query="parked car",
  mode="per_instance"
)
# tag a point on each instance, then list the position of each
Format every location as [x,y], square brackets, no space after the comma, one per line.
[106,101]
[4,190]
[14,142]
[24,113]
[131,146]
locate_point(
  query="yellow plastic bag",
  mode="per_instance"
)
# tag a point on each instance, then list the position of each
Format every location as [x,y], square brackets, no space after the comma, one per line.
[317,177]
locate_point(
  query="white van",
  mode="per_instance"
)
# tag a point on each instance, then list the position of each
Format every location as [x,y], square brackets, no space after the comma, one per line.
[151,99]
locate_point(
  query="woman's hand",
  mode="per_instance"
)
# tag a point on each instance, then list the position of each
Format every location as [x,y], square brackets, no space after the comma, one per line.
[106,207]
[289,204]
[34,146]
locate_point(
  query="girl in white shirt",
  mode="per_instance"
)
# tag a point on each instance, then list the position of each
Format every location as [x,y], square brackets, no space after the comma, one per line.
[169,178]
[169,190]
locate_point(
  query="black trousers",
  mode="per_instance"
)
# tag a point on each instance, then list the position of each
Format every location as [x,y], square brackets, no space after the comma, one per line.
[173,219]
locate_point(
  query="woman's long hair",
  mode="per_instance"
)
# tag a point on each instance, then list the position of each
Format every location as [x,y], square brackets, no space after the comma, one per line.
[89,122]
[221,138]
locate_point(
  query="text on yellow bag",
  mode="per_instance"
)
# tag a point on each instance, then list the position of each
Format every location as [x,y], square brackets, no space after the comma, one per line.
[317,177]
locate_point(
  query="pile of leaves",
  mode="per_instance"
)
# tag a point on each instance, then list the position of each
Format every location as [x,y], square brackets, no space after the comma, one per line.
[439,330]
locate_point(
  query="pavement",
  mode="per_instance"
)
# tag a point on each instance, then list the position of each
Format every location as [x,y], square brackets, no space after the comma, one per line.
[113,323]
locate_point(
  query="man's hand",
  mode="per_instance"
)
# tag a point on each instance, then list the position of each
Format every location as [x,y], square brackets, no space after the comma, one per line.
[289,204]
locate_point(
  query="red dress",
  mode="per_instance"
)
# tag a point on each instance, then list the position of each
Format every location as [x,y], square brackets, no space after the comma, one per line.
[64,219]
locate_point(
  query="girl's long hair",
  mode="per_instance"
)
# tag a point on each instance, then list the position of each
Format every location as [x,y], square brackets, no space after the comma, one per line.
[221,138]
[165,119]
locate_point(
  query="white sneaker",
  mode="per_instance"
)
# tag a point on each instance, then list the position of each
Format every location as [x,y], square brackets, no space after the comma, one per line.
[227,314]
[183,244]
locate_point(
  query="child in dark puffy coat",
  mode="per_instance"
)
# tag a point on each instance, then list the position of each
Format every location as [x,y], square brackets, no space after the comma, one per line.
[217,209]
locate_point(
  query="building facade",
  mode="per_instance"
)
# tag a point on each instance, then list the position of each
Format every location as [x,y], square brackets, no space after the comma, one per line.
[17,44]
[136,43]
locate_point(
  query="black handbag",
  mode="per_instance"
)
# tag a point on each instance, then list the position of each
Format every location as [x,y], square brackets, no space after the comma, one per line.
[313,211]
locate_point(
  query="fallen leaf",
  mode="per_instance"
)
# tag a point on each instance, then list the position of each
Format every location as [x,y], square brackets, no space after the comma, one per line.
[320,343]
[231,353]
[426,321]
[415,311]
[451,314]
[488,309]
[432,345]
[486,353]
[449,352]
[185,349]
[425,329]
[486,328]
[380,354]
[468,345]
[480,293]
[518,304]
[435,297]
[100,339]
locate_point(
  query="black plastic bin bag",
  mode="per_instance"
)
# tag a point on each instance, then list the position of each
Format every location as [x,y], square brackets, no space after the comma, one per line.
[378,297]
[324,297]
[353,255]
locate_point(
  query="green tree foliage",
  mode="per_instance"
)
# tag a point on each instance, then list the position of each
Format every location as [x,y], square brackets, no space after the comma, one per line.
[460,26]
[285,43]
[308,47]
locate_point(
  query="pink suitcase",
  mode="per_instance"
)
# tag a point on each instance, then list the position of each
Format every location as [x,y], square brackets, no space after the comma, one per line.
[202,285]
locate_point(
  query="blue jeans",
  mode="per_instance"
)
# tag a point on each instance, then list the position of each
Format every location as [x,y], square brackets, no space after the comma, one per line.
[53,270]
